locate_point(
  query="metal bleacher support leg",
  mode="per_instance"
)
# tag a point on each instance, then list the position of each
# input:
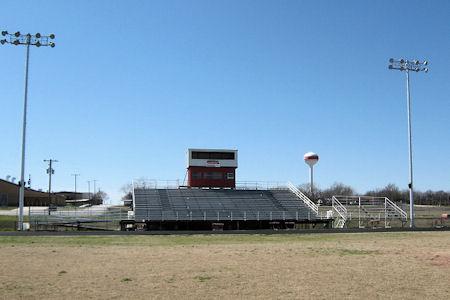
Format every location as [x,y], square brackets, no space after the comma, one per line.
[385,214]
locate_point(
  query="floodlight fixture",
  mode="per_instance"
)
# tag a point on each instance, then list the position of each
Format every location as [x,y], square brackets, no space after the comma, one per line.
[37,39]
[417,66]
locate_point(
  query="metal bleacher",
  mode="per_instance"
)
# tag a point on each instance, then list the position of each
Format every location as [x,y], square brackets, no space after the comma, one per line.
[178,204]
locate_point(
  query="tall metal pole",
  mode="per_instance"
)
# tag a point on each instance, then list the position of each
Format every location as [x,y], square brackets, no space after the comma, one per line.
[311,179]
[24,131]
[50,181]
[28,39]
[410,185]
[416,66]
[75,175]
[89,189]
[95,180]
[50,172]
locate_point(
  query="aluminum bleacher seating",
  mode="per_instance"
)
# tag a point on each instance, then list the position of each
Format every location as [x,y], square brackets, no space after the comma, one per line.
[218,204]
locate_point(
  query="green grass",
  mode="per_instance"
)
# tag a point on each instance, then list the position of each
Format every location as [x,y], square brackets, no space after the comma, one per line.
[7,223]
[188,240]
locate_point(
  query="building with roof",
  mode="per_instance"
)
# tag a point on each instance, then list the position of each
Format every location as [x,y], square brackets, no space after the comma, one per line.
[9,196]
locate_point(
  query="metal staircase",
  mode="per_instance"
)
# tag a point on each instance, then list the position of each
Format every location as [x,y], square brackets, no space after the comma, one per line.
[341,213]
[367,210]
[304,198]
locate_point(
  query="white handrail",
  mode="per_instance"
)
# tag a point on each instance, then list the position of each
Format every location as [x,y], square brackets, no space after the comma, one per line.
[339,208]
[303,197]
[396,208]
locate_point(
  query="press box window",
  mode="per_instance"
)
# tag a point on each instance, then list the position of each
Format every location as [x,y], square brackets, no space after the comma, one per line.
[197,175]
[207,175]
[230,176]
[213,155]
[217,175]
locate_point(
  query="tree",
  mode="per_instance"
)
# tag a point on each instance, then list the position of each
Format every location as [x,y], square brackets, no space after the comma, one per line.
[390,191]
[127,190]
[100,197]
[338,189]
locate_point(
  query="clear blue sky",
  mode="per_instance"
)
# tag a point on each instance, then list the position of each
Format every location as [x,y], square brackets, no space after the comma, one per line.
[131,85]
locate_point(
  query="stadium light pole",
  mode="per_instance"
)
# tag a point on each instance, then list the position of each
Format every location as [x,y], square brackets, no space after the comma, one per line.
[407,66]
[28,39]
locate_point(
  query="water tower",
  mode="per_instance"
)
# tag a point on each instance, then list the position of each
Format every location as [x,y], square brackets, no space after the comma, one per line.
[311,159]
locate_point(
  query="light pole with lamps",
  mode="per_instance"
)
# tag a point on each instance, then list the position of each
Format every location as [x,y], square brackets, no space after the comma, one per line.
[407,66]
[28,39]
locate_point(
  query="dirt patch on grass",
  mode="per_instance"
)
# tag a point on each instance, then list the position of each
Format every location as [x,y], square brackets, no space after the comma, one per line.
[406,265]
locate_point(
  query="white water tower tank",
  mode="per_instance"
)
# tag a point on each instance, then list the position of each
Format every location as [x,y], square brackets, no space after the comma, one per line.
[311,158]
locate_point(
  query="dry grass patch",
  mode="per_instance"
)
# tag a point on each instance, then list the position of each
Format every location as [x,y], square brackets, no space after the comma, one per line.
[379,265]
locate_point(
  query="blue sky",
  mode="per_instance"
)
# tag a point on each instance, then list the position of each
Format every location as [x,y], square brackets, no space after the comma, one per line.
[131,85]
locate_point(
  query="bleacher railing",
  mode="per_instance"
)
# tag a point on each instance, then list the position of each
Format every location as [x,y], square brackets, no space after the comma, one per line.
[339,208]
[102,217]
[176,183]
[303,197]
[368,207]
[213,215]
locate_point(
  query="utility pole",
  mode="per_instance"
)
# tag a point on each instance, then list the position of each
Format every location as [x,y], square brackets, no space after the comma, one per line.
[416,66]
[89,189]
[95,181]
[50,172]
[28,39]
[75,175]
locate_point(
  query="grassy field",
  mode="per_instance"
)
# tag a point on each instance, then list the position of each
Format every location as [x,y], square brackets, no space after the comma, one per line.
[353,266]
